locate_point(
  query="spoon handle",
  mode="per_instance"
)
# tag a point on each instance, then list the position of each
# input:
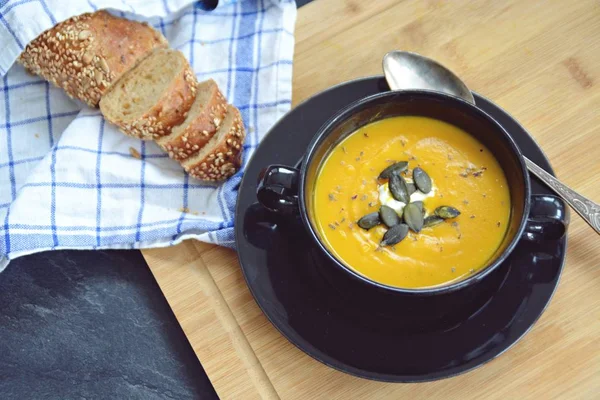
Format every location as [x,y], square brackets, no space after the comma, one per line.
[588,210]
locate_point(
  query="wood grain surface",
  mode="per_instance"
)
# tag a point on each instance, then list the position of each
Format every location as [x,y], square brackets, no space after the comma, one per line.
[540,60]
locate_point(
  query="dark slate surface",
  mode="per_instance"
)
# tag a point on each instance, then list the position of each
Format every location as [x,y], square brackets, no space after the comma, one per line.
[83,325]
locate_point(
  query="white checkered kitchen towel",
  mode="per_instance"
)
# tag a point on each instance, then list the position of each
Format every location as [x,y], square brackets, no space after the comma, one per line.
[67,178]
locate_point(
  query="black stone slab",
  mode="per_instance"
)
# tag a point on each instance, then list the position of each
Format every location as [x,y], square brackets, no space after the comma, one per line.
[84,324]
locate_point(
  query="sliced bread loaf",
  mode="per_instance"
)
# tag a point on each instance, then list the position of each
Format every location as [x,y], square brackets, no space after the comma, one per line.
[85,54]
[221,157]
[201,123]
[153,97]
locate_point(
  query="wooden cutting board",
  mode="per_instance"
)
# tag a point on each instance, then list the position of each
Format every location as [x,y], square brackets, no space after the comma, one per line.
[540,60]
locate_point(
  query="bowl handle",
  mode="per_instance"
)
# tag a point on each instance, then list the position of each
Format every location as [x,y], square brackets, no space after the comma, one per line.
[277,189]
[548,218]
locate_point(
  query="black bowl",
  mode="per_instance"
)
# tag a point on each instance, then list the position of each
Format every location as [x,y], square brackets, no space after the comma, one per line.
[290,191]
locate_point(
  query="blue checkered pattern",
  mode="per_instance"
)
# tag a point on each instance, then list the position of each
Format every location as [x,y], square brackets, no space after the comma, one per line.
[67,177]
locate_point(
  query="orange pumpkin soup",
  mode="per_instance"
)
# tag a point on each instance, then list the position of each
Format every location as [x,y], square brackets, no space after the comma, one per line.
[464,175]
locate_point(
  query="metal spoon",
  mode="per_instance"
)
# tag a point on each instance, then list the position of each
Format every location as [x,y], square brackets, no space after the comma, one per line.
[404,70]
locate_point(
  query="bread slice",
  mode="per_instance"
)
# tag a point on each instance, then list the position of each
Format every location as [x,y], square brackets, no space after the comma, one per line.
[153,97]
[221,157]
[199,127]
[86,54]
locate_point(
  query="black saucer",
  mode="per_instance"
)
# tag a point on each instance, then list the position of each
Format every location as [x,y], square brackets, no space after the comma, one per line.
[364,332]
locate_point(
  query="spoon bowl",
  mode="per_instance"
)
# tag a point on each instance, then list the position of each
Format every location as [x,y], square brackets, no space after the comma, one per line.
[405,70]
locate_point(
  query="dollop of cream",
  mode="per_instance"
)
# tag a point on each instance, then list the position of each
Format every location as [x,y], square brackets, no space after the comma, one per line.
[386,198]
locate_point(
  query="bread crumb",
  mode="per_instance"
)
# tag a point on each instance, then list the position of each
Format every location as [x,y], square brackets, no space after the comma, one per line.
[37,135]
[134,153]
[187,211]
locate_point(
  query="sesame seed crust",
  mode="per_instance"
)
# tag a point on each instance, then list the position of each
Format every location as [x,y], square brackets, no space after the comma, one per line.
[169,111]
[197,130]
[225,157]
[85,54]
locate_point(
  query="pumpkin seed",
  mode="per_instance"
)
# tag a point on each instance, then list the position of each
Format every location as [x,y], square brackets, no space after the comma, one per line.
[394,235]
[432,220]
[411,188]
[420,205]
[388,216]
[369,221]
[422,180]
[413,216]
[393,169]
[447,212]
[398,188]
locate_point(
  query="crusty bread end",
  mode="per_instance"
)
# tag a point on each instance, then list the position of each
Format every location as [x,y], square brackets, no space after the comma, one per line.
[86,54]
